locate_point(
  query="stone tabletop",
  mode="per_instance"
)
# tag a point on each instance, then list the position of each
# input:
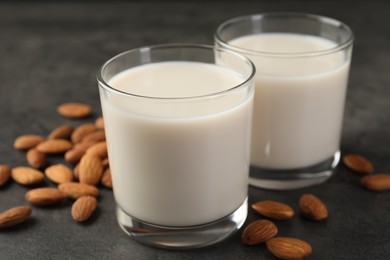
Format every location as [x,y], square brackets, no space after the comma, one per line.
[50,52]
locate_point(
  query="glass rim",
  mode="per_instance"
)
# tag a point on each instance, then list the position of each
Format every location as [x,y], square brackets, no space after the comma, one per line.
[259,16]
[103,83]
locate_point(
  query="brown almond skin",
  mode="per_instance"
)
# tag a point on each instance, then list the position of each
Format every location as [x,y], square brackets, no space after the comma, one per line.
[83,208]
[54,146]
[36,159]
[312,207]
[358,163]
[90,169]
[289,248]
[5,174]
[99,149]
[59,173]
[74,110]
[258,232]
[94,137]
[75,190]
[376,182]
[14,216]
[74,155]
[45,196]
[273,209]
[81,131]
[99,123]
[106,180]
[26,142]
[27,176]
[61,132]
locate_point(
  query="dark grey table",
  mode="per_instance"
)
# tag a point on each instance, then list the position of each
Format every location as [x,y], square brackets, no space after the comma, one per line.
[49,54]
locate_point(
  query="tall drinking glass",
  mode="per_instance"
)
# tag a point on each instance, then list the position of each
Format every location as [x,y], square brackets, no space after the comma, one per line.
[178,121]
[302,65]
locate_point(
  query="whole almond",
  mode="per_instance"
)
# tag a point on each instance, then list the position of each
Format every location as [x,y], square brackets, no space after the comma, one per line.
[90,169]
[106,180]
[5,174]
[59,173]
[74,155]
[358,163]
[36,159]
[14,216]
[98,149]
[289,248]
[99,123]
[258,232]
[75,190]
[74,110]
[45,196]
[94,137]
[27,175]
[376,182]
[61,132]
[312,207]
[81,131]
[54,146]
[83,208]
[26,142]
[273,209]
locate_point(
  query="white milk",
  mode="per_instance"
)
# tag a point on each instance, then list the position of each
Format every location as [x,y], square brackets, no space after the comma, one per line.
[299,102]
[170,168]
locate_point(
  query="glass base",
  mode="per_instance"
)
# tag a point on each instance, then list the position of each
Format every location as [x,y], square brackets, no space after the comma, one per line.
[183,237]
[293,179]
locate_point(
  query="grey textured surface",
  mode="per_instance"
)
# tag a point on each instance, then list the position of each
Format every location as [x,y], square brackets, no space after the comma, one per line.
[49,54]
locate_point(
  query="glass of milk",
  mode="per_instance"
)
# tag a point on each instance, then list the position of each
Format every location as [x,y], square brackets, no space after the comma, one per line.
[302,64]
[178,121]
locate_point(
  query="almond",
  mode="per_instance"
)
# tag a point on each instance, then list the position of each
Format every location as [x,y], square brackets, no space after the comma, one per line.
[106,162]
[26,142]
[99,149]
[61,132]
[45,196]
[312,207]
[14,216]
[358,163]
[289,248]
[27,175]
[99,123]
[36,159]
[83,208]
[75,190]
[74,155]
[82,131]
[74,110]
[54,146]
[258,232]
[90,169]
[106,180]
[59,173]
[5,174]
[273,209]
[376,182]
[94,137]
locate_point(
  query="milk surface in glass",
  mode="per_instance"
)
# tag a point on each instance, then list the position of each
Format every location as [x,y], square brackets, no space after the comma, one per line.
[299,101]
[182,167]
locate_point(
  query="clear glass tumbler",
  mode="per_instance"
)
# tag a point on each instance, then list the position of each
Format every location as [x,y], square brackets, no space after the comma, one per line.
[178,121]
[302,65]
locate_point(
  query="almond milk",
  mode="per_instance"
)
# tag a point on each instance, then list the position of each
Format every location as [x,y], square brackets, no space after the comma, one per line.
[180,164]
[299,101]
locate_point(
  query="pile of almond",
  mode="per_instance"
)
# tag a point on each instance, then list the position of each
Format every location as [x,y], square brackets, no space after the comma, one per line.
[85,168]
